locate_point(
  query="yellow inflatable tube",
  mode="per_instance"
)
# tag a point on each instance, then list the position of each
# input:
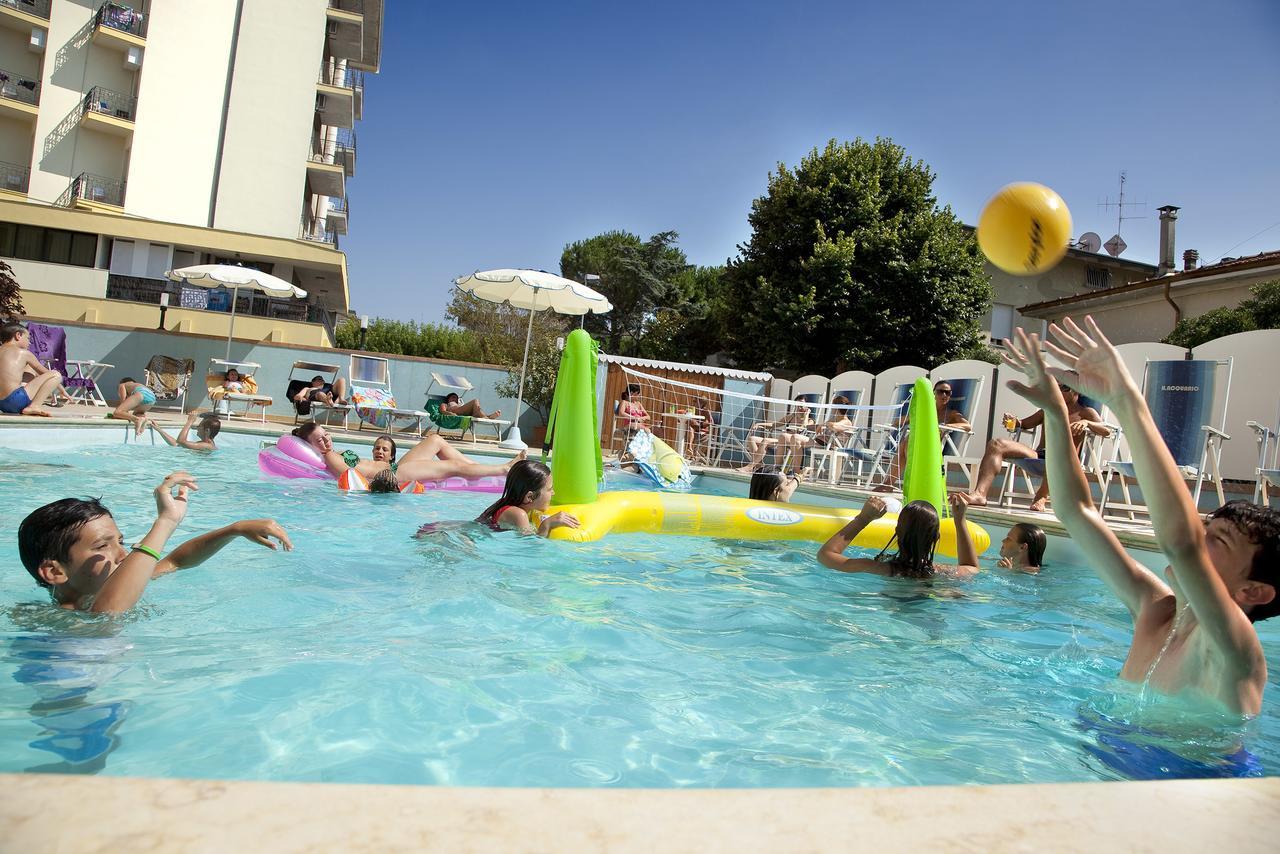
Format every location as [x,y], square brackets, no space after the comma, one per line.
[693,515]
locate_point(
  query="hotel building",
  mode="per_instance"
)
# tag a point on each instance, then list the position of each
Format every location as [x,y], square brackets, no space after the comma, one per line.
[145,135]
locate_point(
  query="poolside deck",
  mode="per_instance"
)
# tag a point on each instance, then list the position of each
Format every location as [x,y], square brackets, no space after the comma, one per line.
[1135,534]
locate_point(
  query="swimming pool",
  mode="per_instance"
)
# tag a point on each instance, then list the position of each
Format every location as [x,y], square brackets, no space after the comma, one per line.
[472,659]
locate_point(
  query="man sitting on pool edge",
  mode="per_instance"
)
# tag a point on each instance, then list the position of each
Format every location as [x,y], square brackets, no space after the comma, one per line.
[73,548]
[1194,633]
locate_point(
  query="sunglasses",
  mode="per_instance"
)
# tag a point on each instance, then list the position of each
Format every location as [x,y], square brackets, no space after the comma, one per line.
[945,391]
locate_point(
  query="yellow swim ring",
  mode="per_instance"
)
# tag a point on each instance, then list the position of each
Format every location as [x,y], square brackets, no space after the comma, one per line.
[693,515]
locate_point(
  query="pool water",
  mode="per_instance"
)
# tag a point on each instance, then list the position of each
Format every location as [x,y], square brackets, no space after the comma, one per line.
[469,658]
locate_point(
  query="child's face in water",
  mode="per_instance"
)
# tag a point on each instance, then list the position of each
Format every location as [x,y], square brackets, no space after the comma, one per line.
[92,558]
[541,499]
[1010,547]
[319,439]
[382,451]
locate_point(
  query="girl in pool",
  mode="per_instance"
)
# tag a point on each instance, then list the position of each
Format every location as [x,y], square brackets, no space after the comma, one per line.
[774,486]
[916,535]
[528,488]
[431,459]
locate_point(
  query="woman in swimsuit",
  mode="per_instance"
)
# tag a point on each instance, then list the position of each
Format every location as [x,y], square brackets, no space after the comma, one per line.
[431,459]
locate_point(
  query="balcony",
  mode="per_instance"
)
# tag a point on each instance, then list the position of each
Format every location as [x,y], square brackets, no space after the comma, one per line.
[25,13]
[19,95]
[317,230]
[148,291]
[109,112]
[14,178]
[93,193]
[119,27]
[339,95]
[336,218]
[326,175]
[344,35]
[344,150]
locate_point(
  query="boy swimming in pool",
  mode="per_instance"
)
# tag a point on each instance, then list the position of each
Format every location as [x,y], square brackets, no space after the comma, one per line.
[73,548]
[1193,634]
[209,427]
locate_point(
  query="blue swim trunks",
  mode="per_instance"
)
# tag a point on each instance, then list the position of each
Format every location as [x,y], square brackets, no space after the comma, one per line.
[17,401]
[148,396]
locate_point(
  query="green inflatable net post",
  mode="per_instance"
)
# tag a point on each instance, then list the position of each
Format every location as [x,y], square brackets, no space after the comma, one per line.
[923,479]
[572,430]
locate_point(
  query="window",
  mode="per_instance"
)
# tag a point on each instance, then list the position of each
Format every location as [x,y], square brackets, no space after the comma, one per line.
[53,245]
[1001,321]
[1097,277]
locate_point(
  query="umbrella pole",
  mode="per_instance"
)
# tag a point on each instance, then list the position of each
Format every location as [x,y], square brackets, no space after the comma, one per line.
[514,440]
[235,293]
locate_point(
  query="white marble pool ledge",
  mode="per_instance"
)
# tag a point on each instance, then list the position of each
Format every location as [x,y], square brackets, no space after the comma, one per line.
[67,813]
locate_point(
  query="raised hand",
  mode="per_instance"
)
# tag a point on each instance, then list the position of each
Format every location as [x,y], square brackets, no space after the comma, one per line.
[171,496]
[874,508]
[261,531]
[1024,355]
[959,504]
[1094,368]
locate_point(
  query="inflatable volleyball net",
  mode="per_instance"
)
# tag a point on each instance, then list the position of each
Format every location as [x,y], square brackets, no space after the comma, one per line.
[833,439]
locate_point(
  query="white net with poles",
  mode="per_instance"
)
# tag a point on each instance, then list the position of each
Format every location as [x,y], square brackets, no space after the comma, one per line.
[836,440]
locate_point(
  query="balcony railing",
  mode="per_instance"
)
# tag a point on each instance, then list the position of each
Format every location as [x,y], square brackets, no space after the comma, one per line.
[14,177]
[343,78]
[340,148]
[356,6]
[39,8]
[108,103]
[341,206]
[117,16]
[345,142]
[142,290]
[317,230]
[19,87]
[92,188]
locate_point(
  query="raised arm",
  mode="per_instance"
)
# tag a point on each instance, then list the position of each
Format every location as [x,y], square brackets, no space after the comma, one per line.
[124,588]
[831,555]
[163,435]
[1129,580]
[199,549]
[1095,369]
[965,551]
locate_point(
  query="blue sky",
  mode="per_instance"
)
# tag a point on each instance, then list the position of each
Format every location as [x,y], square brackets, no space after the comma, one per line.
[496,133]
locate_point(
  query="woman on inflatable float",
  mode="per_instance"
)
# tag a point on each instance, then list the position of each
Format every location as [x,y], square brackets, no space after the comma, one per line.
[432,459]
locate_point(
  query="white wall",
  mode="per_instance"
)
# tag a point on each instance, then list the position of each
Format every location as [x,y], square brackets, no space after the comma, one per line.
[59,278]
[179,110]
[1254,393]
[271,117]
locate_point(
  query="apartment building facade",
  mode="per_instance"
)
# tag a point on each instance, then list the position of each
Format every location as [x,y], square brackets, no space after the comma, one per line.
[143,135]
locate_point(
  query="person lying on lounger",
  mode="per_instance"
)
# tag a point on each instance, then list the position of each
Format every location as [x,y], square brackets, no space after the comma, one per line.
[454,405]
[1193,632]
[318,392]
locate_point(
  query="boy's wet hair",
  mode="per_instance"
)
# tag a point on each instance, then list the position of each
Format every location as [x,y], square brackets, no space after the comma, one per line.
[1033,537]
[49,532]
[390,441]
[384,481]
[1261,526]
[211,424]
[10,330]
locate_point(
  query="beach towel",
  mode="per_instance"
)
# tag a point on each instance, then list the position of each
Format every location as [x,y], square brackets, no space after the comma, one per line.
[447,420]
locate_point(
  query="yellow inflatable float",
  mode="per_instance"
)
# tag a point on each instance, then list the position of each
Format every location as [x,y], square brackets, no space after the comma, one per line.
[693,515]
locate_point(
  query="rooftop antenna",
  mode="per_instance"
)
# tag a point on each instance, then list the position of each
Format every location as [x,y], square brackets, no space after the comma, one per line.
[1116,244]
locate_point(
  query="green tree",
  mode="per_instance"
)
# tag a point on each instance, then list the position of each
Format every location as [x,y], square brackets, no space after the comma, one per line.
[689,330]
[401,338]
[539,380]
[852,264]
[638,276]
[1261,311]
[10,293]
[501,329]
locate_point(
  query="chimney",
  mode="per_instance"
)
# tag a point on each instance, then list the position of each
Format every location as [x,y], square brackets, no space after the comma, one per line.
[1189,259]
[1168,216]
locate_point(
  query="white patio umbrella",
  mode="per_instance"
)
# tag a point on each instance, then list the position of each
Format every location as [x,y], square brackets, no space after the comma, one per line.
[236,278]
[535,290]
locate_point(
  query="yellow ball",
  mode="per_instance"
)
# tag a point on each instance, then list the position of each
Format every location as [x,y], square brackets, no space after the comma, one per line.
[1024,229]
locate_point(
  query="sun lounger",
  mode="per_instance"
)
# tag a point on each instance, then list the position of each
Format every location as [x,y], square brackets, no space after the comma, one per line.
[372,397]
[79,376]
[1268,470]
[447,420]
[300,376]
[168,378]
[223,399]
